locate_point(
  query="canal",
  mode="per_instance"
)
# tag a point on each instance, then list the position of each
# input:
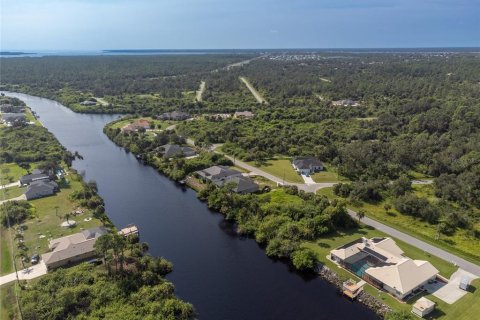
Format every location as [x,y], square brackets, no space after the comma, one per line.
[223,275]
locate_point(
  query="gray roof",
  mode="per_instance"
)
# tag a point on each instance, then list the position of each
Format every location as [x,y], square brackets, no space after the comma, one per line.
[73,245]
[41,188]
[243,184]
[9,117]
[175,115]
[170,150]
[218,172]
[307,162]
[33,177]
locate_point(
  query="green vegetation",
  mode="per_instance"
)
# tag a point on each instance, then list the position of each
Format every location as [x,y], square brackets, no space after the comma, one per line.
[6,265]
[139,291]
[11,172]
[462,309]
[147,147]
[460,242]
[13,192]
[281,168]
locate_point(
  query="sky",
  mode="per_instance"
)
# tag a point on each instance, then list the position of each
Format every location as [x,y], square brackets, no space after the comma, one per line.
[237,24]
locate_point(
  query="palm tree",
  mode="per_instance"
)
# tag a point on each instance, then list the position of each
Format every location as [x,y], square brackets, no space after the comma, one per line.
[102,245]
[360,215]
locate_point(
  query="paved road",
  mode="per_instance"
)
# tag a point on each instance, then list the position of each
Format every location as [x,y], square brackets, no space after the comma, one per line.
[310,187]
[447,256]
[462,263]
[35,271]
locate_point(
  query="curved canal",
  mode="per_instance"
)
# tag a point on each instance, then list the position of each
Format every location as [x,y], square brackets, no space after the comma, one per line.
[223,275]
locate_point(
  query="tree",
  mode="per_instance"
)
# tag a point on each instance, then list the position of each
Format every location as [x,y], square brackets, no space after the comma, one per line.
[387,207]
[304,260]
[102,245]
[360,214]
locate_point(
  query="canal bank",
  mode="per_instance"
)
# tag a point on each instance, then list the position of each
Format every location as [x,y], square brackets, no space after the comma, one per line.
[223,275]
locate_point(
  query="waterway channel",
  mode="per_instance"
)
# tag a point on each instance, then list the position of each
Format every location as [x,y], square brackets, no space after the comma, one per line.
[223,275]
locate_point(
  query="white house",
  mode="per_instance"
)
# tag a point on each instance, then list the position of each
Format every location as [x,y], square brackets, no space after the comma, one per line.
[307,165]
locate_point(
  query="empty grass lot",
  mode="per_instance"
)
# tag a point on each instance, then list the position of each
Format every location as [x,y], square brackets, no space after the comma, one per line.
[460,243]
[462,309]
[14,172]
[281,168]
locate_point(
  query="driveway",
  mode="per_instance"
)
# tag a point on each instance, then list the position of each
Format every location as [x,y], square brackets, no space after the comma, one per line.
[13,184]
[22,197]
[308,179]
[32,272]
[450,292]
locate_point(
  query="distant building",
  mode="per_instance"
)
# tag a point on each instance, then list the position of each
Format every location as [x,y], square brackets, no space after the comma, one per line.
[175,115]
[88,103]
[174,150]
[73,249]
[383,264]
[218,174]
[37,175]
[40,189]
[135,126]
[219,116]
[221,175]
[423,307]
[244,115]
[346,103]
[243,185]
[8,108]
[11,118]
[307,165]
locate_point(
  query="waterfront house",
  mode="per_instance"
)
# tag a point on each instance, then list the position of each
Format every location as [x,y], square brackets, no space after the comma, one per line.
[218,174]
[11,118]
[307,165]
[37,175]
[174,150]
[41,188]
[135,126]
[88,103]
[73,249]
[423,307]
[242,185]
[383,264]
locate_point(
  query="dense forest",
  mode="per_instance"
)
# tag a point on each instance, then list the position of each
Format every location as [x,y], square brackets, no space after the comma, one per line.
[415,114]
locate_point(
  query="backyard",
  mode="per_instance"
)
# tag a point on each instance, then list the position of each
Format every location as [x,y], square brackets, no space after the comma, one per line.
[460,243]
[48,214]
[462,309]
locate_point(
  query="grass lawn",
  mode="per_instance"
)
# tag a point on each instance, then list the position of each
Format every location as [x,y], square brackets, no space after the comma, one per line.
[329,174]
[6,265]
[48,214]
[47,223]
[13,192]
[31,118]
[8,303]
[322,247]
[279,196]
[14,172]
[280,168]
[460,243]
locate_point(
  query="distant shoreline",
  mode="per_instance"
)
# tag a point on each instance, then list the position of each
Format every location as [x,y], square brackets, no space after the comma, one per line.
[153,52]
[14,53]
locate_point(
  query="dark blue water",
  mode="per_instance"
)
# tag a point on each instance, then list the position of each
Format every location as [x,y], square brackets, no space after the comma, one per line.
[224,276]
